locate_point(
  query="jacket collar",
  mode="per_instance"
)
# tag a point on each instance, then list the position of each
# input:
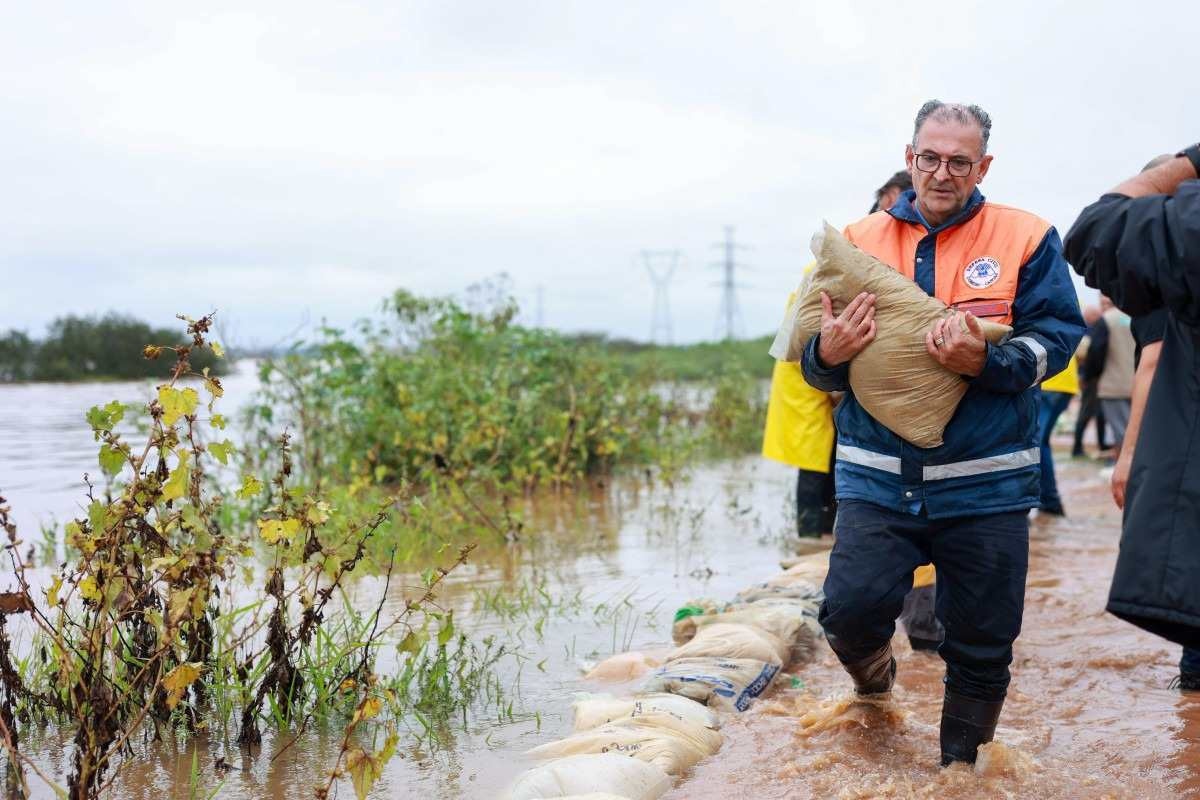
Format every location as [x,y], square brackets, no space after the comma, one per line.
[905,210]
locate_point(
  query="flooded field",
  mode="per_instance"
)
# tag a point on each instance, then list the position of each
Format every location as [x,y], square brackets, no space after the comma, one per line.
[601,571]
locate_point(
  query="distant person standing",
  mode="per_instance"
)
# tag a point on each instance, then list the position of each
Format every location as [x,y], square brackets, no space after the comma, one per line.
[799,430]
[1110,364]
[887,195]
[1089,403]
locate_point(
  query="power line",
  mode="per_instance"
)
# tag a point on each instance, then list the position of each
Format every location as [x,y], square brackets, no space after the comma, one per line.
[729,312]
[660,265]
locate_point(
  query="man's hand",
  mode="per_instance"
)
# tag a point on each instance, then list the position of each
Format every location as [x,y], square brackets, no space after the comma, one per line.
[844,336]
[1120,476]
[958,350]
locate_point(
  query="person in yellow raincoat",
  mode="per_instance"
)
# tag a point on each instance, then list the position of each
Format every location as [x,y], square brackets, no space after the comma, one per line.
[800,433]
[799,430]
[1057,392]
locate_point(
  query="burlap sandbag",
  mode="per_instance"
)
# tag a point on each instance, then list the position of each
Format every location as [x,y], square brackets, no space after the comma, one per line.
[894,378]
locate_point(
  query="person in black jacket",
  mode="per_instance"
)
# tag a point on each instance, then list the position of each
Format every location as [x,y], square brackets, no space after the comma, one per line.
[1089,398]
[1148,331]
[1140,245]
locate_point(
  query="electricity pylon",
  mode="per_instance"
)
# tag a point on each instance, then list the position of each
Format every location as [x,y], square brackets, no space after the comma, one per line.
[729,312]
[661,264]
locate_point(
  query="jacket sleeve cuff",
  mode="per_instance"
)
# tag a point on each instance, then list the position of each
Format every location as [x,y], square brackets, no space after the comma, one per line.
[827,379]
[1012,367]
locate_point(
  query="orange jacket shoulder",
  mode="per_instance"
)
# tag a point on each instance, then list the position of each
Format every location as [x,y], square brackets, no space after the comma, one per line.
[869,227]
[1015,225]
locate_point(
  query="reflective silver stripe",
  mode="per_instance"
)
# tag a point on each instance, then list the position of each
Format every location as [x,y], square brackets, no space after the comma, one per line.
[980,466]
[1038,351]
[865,458]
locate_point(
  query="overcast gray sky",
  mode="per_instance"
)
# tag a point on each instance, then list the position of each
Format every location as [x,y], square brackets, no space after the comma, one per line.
[276,159]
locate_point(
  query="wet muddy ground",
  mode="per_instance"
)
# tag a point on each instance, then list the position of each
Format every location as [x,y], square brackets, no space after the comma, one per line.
[1089,714]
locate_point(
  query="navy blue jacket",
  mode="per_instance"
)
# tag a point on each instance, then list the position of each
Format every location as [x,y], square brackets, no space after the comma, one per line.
[989,459]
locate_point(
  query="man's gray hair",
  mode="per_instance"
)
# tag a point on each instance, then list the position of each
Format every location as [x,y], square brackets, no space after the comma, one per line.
[955,112]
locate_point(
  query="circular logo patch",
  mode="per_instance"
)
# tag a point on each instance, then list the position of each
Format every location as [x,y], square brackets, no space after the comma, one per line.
[982,272]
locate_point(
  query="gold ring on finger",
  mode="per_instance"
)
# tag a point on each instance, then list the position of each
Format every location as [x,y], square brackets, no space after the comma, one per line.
[939,341]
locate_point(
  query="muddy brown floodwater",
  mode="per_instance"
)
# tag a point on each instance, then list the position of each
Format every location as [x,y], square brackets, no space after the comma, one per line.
[1089,714]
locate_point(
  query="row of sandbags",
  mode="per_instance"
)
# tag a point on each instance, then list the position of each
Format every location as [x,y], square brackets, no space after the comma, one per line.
[726,654]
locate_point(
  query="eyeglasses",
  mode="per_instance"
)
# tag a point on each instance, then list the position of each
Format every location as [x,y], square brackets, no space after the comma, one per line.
[957,167]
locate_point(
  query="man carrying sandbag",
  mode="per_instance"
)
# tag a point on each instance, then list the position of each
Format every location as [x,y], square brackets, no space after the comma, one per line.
[962,504]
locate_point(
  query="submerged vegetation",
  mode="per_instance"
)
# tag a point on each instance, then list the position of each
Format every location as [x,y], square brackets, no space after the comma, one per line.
[213,587]
[440,395]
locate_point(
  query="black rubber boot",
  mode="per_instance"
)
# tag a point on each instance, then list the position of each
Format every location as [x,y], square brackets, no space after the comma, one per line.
[1187,682]
[966,724]
[874,674]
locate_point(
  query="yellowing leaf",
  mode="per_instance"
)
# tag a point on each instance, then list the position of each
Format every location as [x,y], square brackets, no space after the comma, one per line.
[178,680]
[365,769]
[318,513]
[368,708]
[88,589]
[218,351]
[177,403]
[274,530]
[214,387]
[176,484]
[250,487]
[111,459]
[52,592]
[179,606]
[221,450]
[411,643]
[218,421]
[363,772]
[446,632]
[77,539]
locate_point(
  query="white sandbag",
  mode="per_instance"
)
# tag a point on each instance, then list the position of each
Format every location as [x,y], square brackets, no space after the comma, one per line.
[727,684]
[726,640]
[592,711]
[607,773]
[670,743]
[894,378]
[799,590]
[811,568]
[685,627]
[792,621]
[623,667]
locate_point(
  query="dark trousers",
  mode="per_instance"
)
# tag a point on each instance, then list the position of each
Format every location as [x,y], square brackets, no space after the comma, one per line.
[1190,662]
[815,506]
[981,564]
[1050,407]
[1089,409]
